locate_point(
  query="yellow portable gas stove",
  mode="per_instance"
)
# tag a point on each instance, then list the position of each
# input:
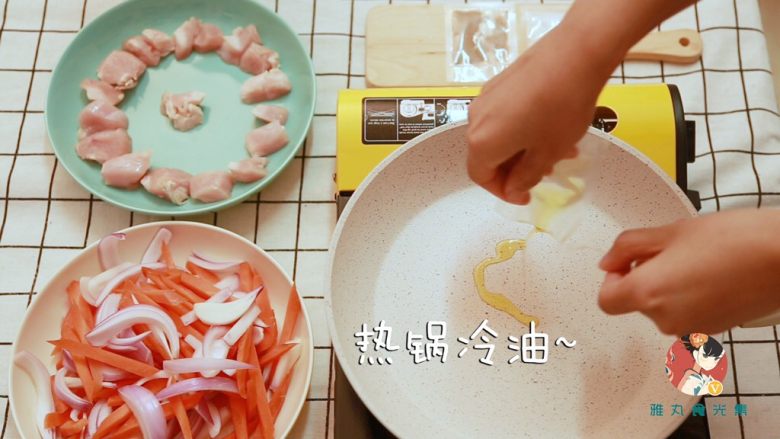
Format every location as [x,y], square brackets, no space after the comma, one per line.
[372,123]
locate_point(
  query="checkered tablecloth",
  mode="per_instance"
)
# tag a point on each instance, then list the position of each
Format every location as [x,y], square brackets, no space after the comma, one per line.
[47,218]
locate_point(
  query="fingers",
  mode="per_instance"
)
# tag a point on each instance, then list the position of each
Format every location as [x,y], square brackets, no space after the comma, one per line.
[633,247]
[617,295]
[523,175]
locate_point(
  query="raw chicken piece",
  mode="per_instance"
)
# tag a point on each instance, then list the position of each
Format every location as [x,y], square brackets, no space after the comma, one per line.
[126,170]
[248,34]
[183,109]
[208,39]
[248,170]
[265,86]
[233,46]
[160,40]
[168,183]
[270,113]
[184,38]
[209,187]
[143,49]
[101,116]
[266,140]
[258,59]
[98,90]
[121,69]
[104,145]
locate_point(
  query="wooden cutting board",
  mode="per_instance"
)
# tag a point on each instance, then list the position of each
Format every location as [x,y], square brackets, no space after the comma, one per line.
[407,45]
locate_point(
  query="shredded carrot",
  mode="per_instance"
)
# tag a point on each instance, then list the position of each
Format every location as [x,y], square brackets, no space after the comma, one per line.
[181,417]
[291,316]
[181,290]
[72,427]
[200,286]
[238,411]
[263,408]
[55,419]
[277,400]
[112,421]
[275,353]
[130,428]
[127,364]
[244,346]
[245,277]
[202,273]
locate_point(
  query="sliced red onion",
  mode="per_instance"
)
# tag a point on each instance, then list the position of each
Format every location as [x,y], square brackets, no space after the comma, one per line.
[261,323]
[42,382]
[215,266]
[67,362]
[283,366]
[120,348]
[109,306]
[217,384]
[210,415]
[154,250]
[215,347]
[146,409]
[157,376]
[258,334]
[230,282]
[97,415]
[75,415]
[142,353]
[119,278]
[109,385]
[73,382]
[241,326]
[192,365]
[195,344]
[102,334]
[91,287]
[112,373]
[127,341]
[224,313]
[266,372]
[66,395]
[218,297]
[108,250]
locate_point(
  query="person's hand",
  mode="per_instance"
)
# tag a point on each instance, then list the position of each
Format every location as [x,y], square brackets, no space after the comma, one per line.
[699,275]
[529,117]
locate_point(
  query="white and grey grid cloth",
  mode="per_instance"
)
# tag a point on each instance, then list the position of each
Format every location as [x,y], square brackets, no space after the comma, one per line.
[47,218]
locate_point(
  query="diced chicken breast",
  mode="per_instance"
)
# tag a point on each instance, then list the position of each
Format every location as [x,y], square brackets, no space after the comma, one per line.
[183,109]
[265,86]
[98,90]
[168,183]
[184,38]
[248,34]
[266,140]
[101,116]
[209,187]
[234,45]
[121,69]
[270,113]
[258,59]
[248,170]
[160,40]
[126,170]
[143,49]
[208,39]
[104,145]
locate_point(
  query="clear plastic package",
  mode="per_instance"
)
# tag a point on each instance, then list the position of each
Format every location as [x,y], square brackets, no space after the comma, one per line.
[481,41]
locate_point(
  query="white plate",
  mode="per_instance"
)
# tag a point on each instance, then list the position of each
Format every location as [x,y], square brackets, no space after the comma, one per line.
[404,251]
[42,321]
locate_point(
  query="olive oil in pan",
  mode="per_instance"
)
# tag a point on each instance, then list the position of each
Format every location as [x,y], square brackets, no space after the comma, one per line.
[505,250]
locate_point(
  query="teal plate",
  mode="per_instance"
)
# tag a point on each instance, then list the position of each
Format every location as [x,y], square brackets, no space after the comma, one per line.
[208,147]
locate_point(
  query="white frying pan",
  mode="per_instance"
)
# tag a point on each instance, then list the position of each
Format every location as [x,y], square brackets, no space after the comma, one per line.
[404,252]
